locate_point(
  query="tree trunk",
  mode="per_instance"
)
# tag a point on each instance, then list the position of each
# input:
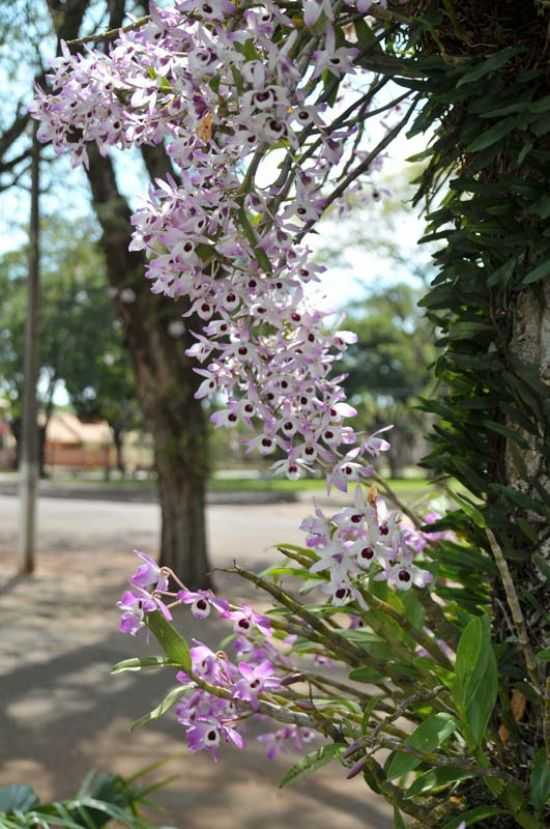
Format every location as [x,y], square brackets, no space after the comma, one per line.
[527,468]
[118,440]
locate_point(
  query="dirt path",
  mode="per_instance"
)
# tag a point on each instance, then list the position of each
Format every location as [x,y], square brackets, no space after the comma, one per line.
[62,712]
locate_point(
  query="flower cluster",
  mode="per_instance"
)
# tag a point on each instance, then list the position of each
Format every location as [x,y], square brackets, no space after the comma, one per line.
[365,537]
[223,693]
[224,87]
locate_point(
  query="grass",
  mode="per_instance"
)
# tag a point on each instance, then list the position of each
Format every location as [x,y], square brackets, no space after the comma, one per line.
[403,486]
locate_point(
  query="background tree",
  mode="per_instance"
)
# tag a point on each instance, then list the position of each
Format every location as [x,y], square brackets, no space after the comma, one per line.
[164,377]
[389,368]
[81,344]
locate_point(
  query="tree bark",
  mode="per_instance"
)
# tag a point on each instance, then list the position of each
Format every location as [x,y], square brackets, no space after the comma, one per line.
[118,440]
[527,469]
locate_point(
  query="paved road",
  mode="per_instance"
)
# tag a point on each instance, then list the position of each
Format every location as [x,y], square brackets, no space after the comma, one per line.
[62,712]
[234,531]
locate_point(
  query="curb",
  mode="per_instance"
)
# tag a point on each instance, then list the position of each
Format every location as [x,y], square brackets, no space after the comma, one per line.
[236,498]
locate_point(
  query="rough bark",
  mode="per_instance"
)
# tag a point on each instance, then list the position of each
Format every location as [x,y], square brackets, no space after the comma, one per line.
[528,469]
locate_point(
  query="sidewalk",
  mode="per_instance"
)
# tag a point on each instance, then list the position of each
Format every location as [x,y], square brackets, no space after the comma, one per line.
[147,494]
[62,712]
[140,494]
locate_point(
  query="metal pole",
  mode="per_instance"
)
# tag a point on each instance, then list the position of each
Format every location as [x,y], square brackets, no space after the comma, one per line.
[28,465]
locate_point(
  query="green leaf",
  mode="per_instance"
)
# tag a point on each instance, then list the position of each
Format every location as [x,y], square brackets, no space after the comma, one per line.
[473,816]
[136,663]
[538,273]
[414,610]
[542,105]
[173,644]
[540,781]
[206,252]
[435,780]
[365,674]
[472,512]
[17,797]
[489,65]
[365,36]
[476,679]
[249,50]
[544,655]
[492,135]
[294,548]
[169,700]
[313,761]
[261,257]
[542,207]
[398,822]
[428,736]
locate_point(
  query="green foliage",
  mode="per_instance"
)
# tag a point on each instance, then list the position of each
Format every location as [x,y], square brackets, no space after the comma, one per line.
[80,343]
[171,698]
[476,685]
[102,800]
[172,643]
[540,781]
[312,762]
[430,735]
[388,367]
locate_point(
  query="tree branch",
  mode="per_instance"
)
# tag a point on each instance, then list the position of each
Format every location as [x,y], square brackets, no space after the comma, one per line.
[515,609]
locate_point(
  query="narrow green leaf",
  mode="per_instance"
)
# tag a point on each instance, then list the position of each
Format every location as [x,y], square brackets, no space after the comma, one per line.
[489,65]
[473,816]
[492,135]
[398,822]
[476,686]
[540,781]
[435,780]
[295,548]
[365,674]
[173,644]
[428,736]
[365,36]
[17,798]
[137,663]
[538,273]
[169,700]
[313,761]
[544,655]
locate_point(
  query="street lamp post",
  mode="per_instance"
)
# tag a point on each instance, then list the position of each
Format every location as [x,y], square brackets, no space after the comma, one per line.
[29,457]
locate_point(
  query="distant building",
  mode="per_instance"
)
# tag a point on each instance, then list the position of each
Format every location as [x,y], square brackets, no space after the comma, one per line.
[69,442]
[7,446]
[75,445]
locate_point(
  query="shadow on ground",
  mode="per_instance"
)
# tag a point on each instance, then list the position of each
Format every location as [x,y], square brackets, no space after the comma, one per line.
[62,712]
